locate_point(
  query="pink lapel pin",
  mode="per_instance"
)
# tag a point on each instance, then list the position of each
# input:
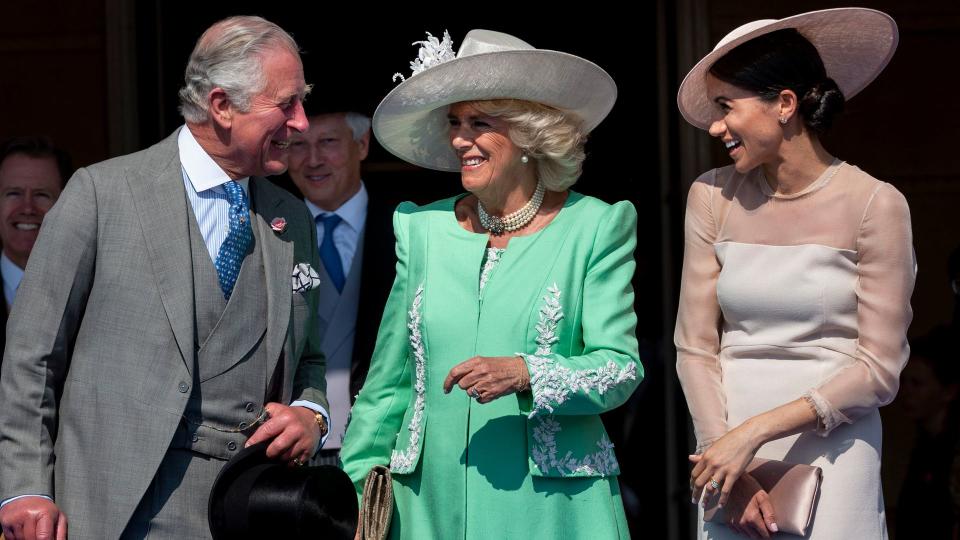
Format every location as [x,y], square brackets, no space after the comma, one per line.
[278,225]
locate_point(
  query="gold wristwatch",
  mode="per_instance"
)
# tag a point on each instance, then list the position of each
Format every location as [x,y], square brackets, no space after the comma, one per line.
[322,422]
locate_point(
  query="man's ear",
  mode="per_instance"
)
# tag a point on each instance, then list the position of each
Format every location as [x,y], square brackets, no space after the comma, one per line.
[220,107]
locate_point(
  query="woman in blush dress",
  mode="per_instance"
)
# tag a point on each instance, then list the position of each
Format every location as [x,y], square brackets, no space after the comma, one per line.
[797,275]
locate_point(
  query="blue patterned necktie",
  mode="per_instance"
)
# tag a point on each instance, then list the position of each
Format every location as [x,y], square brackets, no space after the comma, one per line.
[329,254]
[234,248]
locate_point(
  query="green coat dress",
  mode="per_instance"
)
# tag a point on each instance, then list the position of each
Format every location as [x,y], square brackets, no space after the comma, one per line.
[538,464]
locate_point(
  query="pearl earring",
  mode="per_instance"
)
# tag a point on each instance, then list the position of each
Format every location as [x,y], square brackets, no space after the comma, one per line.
[524,159]
[783,120]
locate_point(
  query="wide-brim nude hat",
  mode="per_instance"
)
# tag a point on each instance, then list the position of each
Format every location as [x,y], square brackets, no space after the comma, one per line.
[855,45]
[411,121]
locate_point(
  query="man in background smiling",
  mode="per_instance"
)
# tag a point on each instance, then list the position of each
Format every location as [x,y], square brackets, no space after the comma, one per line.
[32,174]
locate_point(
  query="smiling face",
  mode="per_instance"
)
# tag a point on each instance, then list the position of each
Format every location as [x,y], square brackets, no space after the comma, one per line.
[28,188]
[325,160]
[488,158]
[260,136]
[747,125]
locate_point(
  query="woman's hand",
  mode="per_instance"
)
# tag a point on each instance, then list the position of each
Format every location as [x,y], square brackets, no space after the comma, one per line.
[750,512]
[486,378]
[723,463]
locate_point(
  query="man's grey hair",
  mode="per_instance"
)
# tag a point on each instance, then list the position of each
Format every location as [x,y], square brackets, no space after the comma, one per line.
[359,124]
[227,55]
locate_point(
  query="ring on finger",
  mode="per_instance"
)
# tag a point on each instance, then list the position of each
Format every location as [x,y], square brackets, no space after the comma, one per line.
[714,484]
[474,393]
[298,462]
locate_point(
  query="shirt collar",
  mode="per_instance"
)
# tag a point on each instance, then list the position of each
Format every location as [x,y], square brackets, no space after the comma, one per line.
[353,212]
[202,171]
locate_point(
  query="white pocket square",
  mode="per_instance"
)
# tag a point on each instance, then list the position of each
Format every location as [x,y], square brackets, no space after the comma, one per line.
[304,278]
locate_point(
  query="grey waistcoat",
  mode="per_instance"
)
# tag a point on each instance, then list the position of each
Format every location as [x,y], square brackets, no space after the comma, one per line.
[230,365]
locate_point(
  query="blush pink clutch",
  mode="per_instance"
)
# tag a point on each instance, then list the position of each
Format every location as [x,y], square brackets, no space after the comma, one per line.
[793,490]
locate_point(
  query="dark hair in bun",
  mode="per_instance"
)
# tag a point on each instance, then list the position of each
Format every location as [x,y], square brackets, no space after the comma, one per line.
[784,60]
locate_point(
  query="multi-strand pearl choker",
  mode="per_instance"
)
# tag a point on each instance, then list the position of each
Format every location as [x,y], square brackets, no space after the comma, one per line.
[515,220]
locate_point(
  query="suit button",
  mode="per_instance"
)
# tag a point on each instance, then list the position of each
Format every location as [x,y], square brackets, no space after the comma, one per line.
[242,426]
[195,438]
[231,446]
[251,407]
[183,387]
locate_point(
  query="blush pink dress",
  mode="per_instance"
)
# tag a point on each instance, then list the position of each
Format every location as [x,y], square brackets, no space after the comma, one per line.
[806,295]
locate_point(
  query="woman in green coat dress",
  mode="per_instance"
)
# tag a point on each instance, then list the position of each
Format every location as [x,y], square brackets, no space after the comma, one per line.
[510,326]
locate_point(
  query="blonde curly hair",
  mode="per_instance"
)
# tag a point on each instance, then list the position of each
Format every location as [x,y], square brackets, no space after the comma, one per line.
[551,137]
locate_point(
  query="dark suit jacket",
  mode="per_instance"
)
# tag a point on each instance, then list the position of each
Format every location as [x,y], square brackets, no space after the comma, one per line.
[377,274]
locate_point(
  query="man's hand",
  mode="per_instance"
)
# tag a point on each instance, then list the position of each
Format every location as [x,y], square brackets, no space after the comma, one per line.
[33,518]
[294,431]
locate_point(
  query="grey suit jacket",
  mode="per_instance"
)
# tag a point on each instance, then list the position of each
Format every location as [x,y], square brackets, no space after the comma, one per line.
[100,342]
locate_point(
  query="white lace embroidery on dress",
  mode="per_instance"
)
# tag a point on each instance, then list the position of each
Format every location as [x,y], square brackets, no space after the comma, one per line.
[405,461]
[491,261]
[551,385]
[432,52]
[602,463]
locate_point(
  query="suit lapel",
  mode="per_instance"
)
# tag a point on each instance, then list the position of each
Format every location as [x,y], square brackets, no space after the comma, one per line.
[277,266]
[161,204]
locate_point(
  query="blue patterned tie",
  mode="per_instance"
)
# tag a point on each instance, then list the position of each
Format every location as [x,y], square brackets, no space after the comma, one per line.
[234,248]
[329,254]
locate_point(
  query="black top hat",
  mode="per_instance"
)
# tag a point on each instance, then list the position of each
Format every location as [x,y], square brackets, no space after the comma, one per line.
[256,497]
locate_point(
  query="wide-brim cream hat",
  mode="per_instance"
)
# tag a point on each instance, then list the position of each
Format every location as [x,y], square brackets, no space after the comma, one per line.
[411,121]
[855,45]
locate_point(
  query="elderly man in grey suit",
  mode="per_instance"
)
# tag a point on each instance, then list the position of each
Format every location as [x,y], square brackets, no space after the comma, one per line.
[165,317]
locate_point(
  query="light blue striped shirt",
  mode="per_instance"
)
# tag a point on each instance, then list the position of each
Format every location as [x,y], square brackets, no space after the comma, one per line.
[203,181]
